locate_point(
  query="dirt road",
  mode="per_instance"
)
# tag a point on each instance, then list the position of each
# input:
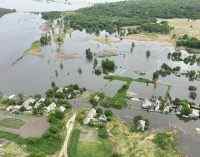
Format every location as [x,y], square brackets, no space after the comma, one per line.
[69,128]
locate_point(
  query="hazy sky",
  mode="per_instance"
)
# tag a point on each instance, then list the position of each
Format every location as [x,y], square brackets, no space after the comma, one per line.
[43,5]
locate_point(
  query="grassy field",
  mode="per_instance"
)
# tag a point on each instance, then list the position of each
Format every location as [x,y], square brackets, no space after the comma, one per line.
[35,48]
[180,27]
[185,26]
[48,144]
[12,149]
[12,123]
[122,142]
[136,144]
[99,148]
[90,146]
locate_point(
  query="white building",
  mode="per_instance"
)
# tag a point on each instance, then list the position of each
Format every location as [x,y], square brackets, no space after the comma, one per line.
[146,104]
[51,107]
[62,109]
[27,104]
[90,116]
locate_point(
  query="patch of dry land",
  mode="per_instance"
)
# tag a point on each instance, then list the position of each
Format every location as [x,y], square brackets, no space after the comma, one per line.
[180,27]
[137,144]
[121,142]
[185,26]
[23,125]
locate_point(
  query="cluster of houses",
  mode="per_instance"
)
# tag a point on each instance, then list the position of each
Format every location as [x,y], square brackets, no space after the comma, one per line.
[92,118]
[30,104]
[156,105]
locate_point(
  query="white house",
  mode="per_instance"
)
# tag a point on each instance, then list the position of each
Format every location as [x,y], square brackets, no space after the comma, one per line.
[157,105]
[62,109]
[51,107]
[27,104]
[141,125]
[103,118]
[11,97]
[194,114]
[146,104]
[60,90]
[90,116]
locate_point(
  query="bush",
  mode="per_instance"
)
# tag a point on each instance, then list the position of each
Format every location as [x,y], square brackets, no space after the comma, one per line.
[108,113]
[102,132]
[188,41]
[185,108]
[164,141]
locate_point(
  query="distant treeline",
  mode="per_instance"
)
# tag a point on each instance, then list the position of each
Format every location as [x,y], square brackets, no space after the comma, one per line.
[5,11]
[112,16]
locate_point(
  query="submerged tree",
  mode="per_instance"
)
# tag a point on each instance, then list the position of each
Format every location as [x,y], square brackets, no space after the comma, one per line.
[89,54]
[61,66]
[95,63]
[79,70]
[148,54]
[108,65]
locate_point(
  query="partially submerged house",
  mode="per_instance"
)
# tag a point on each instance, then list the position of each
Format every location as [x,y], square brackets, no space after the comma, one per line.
[146,104]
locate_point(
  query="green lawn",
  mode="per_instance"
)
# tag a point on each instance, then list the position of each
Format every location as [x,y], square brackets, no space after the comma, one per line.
[73,143]
[118,77]
[48,144]
[12,123]
[99,148]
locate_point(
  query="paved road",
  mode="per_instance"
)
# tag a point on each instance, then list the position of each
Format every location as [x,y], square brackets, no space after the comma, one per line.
[69,128]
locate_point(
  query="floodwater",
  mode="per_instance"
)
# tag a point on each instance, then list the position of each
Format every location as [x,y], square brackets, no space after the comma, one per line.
[31,74]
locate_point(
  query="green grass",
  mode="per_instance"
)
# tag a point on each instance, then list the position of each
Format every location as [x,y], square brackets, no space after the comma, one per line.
[99,148]
[88,148]
[35,45]
[127,79]
[120,98]
[119,78]
[12,123]
[73,143]
[12,137]
[143,80]
[48,144]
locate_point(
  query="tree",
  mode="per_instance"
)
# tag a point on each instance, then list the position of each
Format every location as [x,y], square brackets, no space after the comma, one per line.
[53,84]
[95,63]
[148,54]
[164,141]
[89,54]
[108,65]
[156,75]
[108,113]
[185,108]
[102,132]
[79,70]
